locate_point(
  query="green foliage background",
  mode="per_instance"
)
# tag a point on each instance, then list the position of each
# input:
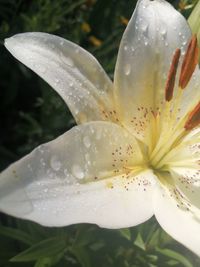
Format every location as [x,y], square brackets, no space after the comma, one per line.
[31,113]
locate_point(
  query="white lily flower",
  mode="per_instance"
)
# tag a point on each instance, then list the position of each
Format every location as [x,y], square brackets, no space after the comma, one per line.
[136,152]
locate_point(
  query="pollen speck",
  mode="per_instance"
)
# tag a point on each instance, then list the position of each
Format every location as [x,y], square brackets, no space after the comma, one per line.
[109,185]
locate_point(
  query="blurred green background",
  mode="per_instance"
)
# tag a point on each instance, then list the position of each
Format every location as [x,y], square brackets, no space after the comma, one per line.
[31,113]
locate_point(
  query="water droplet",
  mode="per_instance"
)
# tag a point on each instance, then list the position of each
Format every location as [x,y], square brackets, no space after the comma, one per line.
[92,129]
[86,141]
[132,49]
[71,84]
[144,28]
[77,171]
[163,32]
[46,190]
[127,69]
[87,157]
[55,163]
[125,47]
[146,43]
[66,60]
[57,81]
[42,162]
[66,172]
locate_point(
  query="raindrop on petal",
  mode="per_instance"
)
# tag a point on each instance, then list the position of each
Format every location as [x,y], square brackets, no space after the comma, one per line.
[86,141]
[66,60]
[42,162]
[132,49]
[144,28]
[57,81]
[127,69]
[55,163]
[163,32]
[77,171]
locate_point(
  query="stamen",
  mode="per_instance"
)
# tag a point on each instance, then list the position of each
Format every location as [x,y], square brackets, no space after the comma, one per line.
[193,118]
[189,62]
[169,88]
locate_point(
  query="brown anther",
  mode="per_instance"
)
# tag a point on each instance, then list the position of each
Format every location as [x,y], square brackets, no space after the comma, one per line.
[169,88]
[193,118]
[189,62]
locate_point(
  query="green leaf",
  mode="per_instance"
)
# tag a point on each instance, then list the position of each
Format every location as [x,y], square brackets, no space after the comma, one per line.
[152,258]
[45,262]
[126,233]
[46,248]
[139,242]
[153,239]
[172,262]
[97,245]
[16,234]
[82,255]
[175,255]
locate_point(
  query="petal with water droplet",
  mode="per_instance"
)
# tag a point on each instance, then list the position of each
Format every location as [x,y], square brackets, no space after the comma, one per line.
[152,39]
[69,69]
[80,184]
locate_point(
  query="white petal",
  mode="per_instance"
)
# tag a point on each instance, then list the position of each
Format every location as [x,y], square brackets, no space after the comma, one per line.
[178,222]
[153,34]
[70,70]
[188,182]
[79,178]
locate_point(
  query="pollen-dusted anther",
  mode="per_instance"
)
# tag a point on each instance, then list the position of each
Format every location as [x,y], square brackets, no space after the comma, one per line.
[189,62]
[193,118]
[169,88]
